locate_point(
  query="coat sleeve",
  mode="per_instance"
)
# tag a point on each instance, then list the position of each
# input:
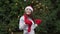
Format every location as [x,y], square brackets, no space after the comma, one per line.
[21,23]
[35,25]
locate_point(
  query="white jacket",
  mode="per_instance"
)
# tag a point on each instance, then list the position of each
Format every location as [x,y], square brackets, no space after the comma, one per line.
[23,26]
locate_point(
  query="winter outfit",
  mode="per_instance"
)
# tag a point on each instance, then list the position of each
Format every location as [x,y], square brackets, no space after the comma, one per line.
[27,23]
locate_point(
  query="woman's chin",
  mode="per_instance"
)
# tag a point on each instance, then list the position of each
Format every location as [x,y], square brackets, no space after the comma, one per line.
[28,14]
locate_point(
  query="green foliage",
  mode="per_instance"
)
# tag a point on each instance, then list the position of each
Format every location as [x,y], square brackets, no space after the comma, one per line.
[48,11]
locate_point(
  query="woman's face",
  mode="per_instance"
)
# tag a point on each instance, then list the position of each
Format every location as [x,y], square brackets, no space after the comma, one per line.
[28,11]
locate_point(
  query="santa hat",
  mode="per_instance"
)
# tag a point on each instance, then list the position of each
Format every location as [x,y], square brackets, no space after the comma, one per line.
[29,7]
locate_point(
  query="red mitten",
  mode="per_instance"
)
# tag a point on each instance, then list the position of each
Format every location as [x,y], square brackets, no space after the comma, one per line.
[28,22]
[38,21]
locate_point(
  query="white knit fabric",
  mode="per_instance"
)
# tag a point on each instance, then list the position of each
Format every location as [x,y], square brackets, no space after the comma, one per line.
[29,7]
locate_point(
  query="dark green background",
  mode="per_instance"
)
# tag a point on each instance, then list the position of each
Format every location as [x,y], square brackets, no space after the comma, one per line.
[12,10]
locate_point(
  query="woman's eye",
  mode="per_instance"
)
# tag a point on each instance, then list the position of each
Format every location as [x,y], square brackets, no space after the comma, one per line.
[27,9]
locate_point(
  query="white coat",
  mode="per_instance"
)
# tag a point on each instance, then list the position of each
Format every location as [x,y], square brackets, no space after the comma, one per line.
[24,27]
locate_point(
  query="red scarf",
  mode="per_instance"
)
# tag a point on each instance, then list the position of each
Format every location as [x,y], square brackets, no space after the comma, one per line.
[25,18]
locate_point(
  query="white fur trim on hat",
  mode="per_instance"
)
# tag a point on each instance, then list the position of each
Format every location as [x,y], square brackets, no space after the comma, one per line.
[29,8]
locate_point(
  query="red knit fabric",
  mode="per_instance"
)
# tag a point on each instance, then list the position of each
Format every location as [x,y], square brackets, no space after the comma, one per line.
[38,21]
[28,22]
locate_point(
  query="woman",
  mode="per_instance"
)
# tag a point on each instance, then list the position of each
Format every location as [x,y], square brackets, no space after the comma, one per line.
[26,22]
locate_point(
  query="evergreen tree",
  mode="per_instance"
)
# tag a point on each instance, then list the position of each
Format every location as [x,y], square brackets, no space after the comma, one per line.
[48,11]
